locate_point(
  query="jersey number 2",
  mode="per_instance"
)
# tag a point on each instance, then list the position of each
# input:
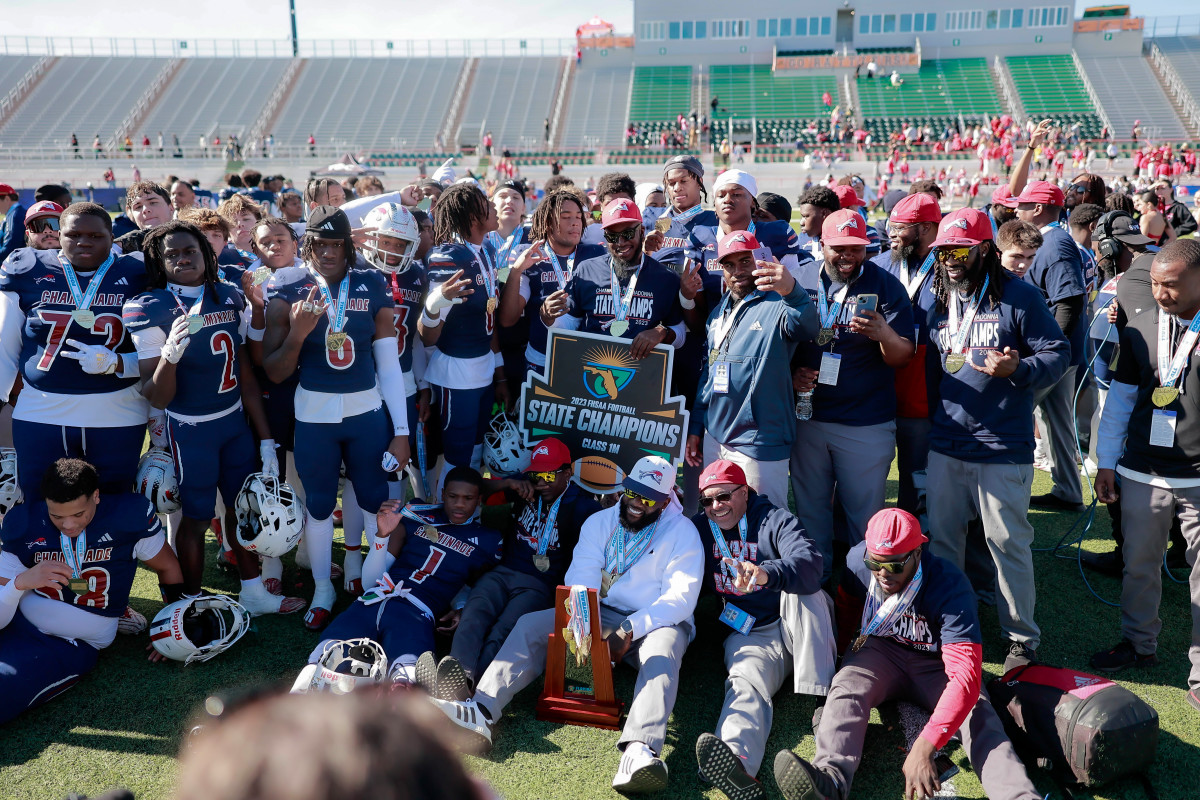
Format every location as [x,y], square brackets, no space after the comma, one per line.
[60,323]
[222,345]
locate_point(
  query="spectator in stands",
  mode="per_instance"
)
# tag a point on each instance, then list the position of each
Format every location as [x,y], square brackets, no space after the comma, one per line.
[75,145]
[817,203]
[291,206]
[328,192]
[54,193]
[12,230]
[147,205]
[312,145]
[1176,213]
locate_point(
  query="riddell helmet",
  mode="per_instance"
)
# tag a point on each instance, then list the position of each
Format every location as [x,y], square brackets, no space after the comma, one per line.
[156,480]
[269,517]
[10,490]
[347,664]
[394,220]
[503,451]
[198,628]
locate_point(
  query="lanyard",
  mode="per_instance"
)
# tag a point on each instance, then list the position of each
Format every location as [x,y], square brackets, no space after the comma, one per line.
[1170,367]
[579,623]
[880,614]
[683,216]
[488,270]
[620,554]
[621,302]
[723,546]
[412,511]
[83,300]
[913,285]
[546,528]
[829,313]
[195,309]
[723,326]
[74,558]
[558,275]
[513,239]
[337,319]
[959,332]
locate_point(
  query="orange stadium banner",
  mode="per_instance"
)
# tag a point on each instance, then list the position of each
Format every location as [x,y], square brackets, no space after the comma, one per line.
[1117,24]
[601,42]
[846,62]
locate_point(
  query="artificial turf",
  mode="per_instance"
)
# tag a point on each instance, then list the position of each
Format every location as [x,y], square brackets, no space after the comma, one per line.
[124,723]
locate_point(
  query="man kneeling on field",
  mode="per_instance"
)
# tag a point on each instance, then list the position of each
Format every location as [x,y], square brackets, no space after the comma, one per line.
[920,641]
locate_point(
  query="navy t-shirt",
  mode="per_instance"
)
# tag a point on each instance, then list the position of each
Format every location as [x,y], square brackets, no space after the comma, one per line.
[1057,270]
[776,237]
[865,393]
[655,298]
[521,546]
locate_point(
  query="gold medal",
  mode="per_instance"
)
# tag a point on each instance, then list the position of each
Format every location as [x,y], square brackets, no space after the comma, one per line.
[194,323]
[542,562]
[618,327]
[491,305]
[502,274]
[662,224]
[1163,396]
[955,362]
[335,340]
[858,643]
[261,275]
[824,337]
[428,532]
[84,317]
[78,585]
[607,579]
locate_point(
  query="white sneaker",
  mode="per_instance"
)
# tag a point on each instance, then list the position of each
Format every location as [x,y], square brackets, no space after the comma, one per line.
[259,601]
[469,717]
[640,771]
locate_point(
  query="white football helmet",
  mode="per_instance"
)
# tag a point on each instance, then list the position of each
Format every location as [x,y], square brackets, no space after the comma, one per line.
[156,480]
[395,221]
[347,664]
[503,451]
[10,490]
[198,628]
[270,518]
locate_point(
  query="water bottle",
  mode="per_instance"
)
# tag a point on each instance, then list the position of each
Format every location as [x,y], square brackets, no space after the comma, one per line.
[804,405]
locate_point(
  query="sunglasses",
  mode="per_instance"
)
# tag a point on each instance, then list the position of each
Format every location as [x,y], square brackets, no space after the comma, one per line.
[621,236]
[946,255]
[1079,187]
[890,567]
[721,497]
[545,477]
[646,501]
[42,223]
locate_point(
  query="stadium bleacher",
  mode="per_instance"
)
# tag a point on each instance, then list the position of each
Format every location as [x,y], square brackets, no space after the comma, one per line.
[755,90]
[511,97]
[1129,91]
[597,108]
[660,93]
[1184,54]
[938,88]
[1050,86]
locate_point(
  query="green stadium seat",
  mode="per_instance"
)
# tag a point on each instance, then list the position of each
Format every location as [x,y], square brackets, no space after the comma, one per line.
[661,93]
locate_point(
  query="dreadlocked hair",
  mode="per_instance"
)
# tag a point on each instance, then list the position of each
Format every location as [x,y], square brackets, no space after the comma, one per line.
[546,214]
[155,245]
[457,209]
[992,268]
[308,256]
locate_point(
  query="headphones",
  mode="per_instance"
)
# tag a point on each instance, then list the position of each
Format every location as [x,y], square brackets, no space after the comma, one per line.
[1106,245]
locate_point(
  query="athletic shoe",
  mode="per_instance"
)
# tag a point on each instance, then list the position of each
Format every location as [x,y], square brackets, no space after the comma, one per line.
[317,618]
[1019,656]
[800,780]
[273,585]
[1042,464]
[640,771]
[1053,502]
[469,716]
[132,622]
[1111,563]
[226,562]
[426,671]
[337,518]
[1193,699]
[722,769]
[352,579]
[452,682]
[1122,656]
[263,602]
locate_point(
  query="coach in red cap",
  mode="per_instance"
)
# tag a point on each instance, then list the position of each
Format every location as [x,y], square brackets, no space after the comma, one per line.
[774,615]
[547,513]
[912,228]
[746,376]
[850,370]
[624,293]
[995,347]
[919,641]
[12,226]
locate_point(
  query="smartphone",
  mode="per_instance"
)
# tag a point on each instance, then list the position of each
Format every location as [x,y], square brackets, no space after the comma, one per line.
[866,302]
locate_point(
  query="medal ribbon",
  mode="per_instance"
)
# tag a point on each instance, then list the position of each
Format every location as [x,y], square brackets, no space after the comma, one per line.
[879,613]
[546,528]
[723,546]
[488,270]
[83,300]
[683,216]
[195,309]
[558,276]
[422,457]
[337,319]
[513,239]
[959,332]
[412,511]
[1171,367]
[914,285]
[579,616]
[829,313]
[74,558]
[617,558]
[621,302]
[722,328]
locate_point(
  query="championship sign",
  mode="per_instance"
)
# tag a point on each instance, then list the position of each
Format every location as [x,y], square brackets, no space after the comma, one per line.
[609,408]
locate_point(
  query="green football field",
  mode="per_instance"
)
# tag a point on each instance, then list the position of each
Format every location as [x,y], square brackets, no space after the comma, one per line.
[123,724]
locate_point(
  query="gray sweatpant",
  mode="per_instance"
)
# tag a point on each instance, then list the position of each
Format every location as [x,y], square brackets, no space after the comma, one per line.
[857,459]
[1147,513]
[1056,418]
[997,494]
[497,601]
[758,663]
[883,670]
[656,656]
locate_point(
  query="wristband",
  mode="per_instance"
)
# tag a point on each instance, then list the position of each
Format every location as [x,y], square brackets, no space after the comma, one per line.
[687,304]
[256,334]
[430,322]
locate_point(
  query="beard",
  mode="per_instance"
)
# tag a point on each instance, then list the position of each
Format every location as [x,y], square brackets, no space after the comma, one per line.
[832,272]
[901,255]
[649,518]
[621,266]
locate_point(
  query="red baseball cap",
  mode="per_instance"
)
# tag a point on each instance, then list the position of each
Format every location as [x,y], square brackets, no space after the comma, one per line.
[844,227]
[620,210]
[1043,192]
[894,532]
[847,196]
[1003,197]
[548,455]
[722,471]
[965,227]
[736,242]
[918,207]
[6,189]
[43,208]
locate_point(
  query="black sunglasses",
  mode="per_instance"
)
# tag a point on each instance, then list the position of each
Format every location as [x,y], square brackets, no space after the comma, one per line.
[42,223]
[621,236]
[890,567]
[721,497]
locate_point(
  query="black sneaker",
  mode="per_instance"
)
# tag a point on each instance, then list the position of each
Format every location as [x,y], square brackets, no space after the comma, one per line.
[452,681]
[1122,656]
[800,780]
[1111,563]
[1018,656]
[1054,503]
[426,672]
[723,770]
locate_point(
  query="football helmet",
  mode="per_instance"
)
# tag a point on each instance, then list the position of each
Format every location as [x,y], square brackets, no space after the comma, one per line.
[270,518]
[395,221]
[10,490]
[198,628]
[503,451]
[347,664]
[156,480]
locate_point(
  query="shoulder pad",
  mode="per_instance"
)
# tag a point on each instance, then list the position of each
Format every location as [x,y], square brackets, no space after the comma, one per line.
[20,261]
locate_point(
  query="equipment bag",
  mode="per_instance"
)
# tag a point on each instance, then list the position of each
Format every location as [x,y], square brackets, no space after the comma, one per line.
[1085,728]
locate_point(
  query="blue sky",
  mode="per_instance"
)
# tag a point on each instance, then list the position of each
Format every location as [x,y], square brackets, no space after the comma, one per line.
[378,19]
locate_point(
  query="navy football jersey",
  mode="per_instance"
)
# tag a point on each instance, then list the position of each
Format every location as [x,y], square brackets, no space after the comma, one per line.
[206,380]
[543,282]
[36,277]
[507,251]
[408,293]
[352,368]
[675,247]
[655,298]
[436,571]
[109,563]
[468,326]
[521,546]
[776,237]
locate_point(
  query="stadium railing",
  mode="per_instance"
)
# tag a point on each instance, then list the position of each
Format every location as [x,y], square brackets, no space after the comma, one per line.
[282,48]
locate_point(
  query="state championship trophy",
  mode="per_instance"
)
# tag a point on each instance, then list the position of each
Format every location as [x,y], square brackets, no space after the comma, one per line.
[579,683]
